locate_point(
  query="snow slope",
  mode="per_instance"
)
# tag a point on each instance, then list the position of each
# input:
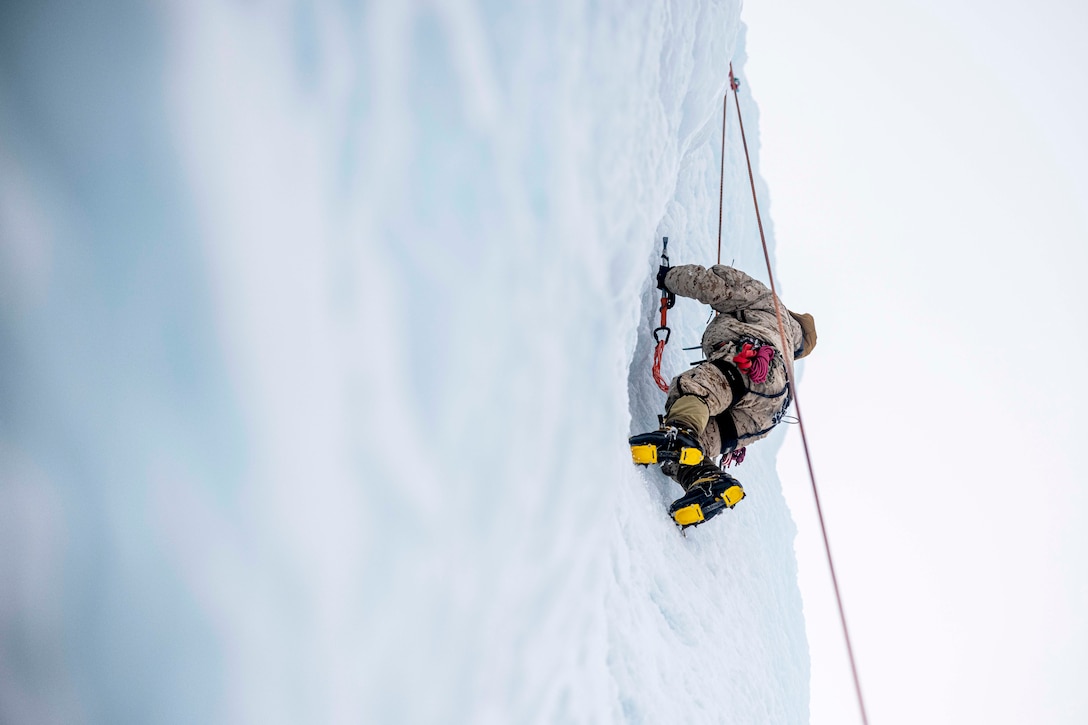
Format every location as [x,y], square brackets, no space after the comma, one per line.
[322,327]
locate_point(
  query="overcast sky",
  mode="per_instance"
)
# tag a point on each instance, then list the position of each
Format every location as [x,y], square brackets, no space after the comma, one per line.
[926,162]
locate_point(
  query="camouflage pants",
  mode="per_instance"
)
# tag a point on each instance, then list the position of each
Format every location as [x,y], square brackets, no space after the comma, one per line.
[709,384]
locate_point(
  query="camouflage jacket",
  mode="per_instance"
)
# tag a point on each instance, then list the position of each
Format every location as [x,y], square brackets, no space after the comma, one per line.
[747,315]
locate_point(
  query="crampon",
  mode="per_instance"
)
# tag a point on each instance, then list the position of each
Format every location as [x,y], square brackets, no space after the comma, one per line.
[669,444]
[711,492]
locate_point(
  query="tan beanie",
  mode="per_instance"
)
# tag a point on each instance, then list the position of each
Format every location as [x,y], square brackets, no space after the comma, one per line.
[808,330]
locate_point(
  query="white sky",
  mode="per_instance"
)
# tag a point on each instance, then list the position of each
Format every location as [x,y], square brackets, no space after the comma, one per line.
[929,195]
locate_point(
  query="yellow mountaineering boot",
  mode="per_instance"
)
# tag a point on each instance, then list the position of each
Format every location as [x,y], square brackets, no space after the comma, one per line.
[709,491]
[677,441]
[668,445]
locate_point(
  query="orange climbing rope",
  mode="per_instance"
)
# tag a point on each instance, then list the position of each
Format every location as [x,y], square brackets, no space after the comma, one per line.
[662,332]
[734,84]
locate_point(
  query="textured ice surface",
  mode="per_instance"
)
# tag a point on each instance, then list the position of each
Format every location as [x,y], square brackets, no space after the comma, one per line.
[323,327]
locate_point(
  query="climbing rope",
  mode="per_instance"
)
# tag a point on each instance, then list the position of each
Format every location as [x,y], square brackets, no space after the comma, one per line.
[721,182]
[734,84]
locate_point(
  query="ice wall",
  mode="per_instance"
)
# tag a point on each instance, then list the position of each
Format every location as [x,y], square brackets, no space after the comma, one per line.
[322,327]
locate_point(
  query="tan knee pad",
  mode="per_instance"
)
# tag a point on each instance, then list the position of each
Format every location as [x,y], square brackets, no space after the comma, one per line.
[689,411]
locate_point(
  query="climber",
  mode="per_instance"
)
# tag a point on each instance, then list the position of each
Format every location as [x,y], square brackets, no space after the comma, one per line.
[733,398]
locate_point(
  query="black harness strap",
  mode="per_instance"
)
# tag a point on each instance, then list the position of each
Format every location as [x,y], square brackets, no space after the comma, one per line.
[727,427]
[734,377]
[727,431]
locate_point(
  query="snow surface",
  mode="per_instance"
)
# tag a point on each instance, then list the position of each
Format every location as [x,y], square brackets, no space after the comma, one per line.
[322,327]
